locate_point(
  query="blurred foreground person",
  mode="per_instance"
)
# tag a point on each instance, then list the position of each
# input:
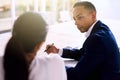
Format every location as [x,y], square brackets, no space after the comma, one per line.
[20,61]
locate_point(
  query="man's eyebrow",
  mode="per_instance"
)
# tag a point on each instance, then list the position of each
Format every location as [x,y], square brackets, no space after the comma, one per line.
[78,15]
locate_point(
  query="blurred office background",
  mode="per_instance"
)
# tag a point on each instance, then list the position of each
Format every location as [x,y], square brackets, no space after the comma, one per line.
[57,13]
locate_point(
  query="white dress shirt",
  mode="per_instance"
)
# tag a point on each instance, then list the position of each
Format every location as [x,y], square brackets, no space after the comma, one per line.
[48,67]
[89,30]
[44,67]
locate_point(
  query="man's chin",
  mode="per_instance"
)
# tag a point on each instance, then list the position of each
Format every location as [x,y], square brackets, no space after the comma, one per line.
[81,31]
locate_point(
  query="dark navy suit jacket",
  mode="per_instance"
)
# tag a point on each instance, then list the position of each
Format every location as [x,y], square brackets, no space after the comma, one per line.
[98,59]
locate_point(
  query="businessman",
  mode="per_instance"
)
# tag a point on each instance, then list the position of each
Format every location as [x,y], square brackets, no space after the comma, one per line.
[99,57]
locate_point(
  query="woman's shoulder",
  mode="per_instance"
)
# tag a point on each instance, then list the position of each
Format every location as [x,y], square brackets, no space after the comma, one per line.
[45,59]
[45,64]
[51,56]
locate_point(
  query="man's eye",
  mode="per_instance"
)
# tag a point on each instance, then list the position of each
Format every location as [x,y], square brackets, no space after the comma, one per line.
[80,17]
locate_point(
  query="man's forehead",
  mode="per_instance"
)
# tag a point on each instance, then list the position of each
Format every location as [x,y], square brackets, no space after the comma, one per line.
[79,14]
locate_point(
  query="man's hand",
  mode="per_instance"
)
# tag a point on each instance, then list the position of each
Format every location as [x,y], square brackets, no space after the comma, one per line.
[51,49]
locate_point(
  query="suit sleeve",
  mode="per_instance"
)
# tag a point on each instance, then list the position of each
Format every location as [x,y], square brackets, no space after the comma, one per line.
[72,53]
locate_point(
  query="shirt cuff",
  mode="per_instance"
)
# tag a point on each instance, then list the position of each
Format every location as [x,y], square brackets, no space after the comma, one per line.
[60,52]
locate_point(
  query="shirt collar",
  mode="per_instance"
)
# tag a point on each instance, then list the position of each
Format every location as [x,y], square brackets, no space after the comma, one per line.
[89,30]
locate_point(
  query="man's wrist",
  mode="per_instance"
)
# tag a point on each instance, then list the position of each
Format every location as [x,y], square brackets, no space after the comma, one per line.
[60,51]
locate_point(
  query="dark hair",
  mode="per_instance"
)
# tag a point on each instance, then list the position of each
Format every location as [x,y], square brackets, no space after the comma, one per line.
[87,5]
[28,31]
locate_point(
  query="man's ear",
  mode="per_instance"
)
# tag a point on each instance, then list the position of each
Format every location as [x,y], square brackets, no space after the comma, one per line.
[94,15]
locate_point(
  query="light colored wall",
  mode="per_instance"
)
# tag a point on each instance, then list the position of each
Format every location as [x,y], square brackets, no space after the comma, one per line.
[108,9]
